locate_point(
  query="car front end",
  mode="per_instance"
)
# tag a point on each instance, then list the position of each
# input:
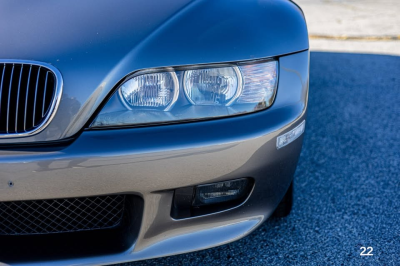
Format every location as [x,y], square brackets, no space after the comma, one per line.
[135,130]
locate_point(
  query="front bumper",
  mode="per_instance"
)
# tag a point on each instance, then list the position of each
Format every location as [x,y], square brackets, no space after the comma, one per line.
[152,162]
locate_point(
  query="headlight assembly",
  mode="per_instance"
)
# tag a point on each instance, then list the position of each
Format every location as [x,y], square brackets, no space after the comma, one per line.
[170,95]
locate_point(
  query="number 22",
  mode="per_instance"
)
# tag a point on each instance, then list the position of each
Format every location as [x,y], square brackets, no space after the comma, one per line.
[369,253]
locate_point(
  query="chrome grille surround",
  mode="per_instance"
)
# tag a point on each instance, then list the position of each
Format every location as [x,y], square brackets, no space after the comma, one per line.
[32,84]
[67,215]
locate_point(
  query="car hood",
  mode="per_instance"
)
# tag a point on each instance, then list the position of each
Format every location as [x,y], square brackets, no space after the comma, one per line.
[95,44]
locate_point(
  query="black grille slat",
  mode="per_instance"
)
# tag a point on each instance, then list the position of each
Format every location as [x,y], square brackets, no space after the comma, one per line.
[35,100]
[44,94]
[17,102]
[27,93]
[9,98]
[61,215]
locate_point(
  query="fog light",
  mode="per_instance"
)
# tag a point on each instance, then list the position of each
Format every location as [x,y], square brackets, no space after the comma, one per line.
[220,192]
[290,136]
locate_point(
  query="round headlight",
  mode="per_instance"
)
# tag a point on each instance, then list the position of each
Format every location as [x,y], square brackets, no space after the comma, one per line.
[212,86]
[153,90]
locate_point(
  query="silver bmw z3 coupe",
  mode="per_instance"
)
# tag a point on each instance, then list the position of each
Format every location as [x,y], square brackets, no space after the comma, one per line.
[138,129]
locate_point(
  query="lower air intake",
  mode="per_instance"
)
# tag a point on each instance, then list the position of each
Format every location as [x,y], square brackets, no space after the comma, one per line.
[61,215]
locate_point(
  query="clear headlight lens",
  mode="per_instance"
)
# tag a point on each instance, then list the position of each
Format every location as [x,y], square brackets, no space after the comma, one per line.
[215,86]
[190,94]
[260,83]
[156,90]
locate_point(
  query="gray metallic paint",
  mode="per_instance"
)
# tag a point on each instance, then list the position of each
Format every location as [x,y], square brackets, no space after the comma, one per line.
[151,161]
[96,43]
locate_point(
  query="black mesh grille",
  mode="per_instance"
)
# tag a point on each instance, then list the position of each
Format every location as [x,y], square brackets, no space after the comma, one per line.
[60,215]
[26,95]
